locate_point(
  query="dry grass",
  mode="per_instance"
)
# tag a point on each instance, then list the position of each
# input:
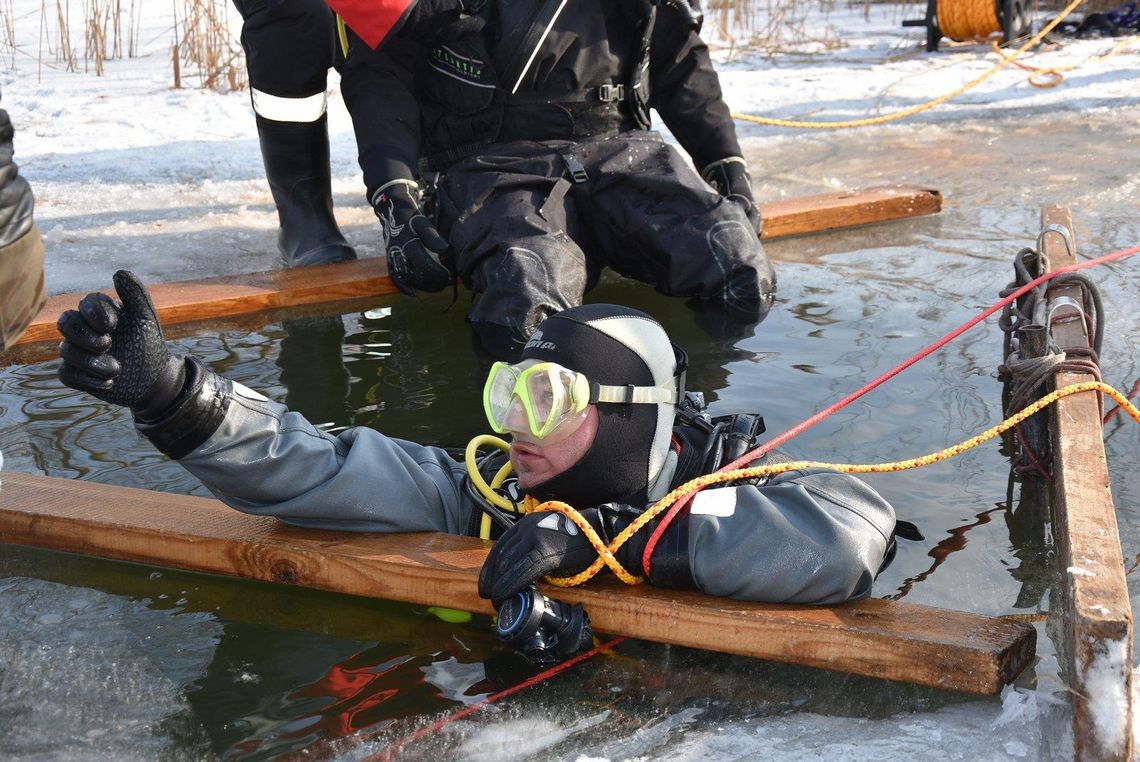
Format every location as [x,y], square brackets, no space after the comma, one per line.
[771,27]
[202,38]
[83,35]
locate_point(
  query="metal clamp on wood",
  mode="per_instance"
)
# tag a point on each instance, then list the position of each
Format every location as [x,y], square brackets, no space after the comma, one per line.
[1063,232]
[1063,303]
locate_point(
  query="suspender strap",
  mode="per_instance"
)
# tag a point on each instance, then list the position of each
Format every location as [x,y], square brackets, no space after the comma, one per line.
[517,51]
[608,93]
[638,77]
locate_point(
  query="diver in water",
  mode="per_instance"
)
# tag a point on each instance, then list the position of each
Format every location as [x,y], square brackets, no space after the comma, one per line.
[598,416]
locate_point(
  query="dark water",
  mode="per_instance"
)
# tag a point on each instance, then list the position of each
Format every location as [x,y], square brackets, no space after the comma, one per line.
[160,663]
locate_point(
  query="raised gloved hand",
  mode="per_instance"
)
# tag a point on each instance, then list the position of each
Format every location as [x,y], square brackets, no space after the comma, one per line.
[543,543]
[729,177]
[116,352]
[413,246]
[15,193]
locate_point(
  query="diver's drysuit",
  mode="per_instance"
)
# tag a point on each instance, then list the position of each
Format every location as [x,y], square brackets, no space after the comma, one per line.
[532,124]
[816,537]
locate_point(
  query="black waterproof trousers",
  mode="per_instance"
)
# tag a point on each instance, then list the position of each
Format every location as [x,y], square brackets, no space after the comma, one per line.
[290,45]
[532,224]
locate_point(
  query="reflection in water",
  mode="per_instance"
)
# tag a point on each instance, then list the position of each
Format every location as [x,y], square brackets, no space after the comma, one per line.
[312,371]
[325,689]
[816,313]
[942,551]
[1030,533]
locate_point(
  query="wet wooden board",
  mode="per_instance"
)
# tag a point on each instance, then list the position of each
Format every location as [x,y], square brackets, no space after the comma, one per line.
[359,283]
[876,638]
[236,295]
[832,211]
[1098,616]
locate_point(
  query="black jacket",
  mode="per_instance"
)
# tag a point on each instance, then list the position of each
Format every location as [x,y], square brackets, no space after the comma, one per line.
[441,88]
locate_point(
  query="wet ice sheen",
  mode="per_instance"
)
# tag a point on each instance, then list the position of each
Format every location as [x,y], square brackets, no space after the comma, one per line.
[84,674]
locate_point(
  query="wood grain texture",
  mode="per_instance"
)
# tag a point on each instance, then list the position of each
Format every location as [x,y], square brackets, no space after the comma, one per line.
[361,282]
[1098,613]
[876,638]
[833,211]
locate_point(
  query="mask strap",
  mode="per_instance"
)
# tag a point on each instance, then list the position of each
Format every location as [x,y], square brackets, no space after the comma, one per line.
[629,393]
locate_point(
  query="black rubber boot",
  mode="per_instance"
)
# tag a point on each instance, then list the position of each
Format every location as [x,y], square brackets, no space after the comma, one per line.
[296,158]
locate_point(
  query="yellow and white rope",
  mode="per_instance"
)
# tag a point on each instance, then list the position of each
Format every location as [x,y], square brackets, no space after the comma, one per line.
[1051,76]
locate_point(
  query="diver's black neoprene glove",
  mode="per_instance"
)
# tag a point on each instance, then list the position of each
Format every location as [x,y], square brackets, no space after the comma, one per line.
[545,543]
[729,177]
[116,352]
[15,193]
[540,543]
[412,244]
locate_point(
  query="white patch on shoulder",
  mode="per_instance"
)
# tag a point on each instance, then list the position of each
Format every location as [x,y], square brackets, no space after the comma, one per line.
[715,502]
[245,391]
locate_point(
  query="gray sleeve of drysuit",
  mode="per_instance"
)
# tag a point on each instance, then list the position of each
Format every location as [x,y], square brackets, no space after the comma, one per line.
[264,459]
[816,537]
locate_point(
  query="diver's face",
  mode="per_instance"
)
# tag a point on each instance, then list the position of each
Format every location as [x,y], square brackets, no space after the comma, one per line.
[536,460]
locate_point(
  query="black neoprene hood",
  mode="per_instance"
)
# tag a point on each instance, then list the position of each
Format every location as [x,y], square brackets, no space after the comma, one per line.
[615,346]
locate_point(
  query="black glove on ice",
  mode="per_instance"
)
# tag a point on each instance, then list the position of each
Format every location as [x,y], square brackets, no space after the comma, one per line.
[116,352]
[545,543]
[15,193]
[411,242]
[729,177]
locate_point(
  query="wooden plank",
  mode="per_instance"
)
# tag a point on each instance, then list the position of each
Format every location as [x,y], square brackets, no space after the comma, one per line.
[1098,615]
[364,281]
[833,211]
[237,295]
[877,638]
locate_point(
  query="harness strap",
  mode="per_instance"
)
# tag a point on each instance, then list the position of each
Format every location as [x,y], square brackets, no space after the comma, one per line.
[517,51]
[607,93]
[638,99]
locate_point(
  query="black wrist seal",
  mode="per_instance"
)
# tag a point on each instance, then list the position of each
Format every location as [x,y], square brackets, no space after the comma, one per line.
[193,416]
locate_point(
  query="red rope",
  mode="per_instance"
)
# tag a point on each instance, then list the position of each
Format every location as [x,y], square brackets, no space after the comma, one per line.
[813,420]
[387,754]
[1029,453]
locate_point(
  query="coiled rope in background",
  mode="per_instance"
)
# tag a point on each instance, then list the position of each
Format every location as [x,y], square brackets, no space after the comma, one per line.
[912,110]
[968,19]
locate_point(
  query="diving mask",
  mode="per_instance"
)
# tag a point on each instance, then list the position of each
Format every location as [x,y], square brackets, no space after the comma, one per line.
[549,397]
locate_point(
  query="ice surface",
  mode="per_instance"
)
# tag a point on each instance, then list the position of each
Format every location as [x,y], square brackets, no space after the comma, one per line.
[88,675]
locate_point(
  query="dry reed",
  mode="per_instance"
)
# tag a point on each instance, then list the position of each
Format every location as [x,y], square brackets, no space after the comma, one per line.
[84,35]
[204,47]
[203,38]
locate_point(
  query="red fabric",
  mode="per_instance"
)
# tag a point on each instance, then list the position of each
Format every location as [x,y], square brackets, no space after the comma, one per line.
[372,20]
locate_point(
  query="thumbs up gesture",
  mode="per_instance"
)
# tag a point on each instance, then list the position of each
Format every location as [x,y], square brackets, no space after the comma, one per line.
[115,351]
